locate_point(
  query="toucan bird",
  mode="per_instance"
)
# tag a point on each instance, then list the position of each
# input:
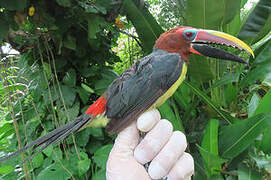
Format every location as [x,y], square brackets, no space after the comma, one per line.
[147,84]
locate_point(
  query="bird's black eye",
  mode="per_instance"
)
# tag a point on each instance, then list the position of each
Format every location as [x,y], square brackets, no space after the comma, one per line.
[190,34]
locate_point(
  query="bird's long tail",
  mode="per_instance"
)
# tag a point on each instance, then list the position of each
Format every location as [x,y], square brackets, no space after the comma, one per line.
[54,136]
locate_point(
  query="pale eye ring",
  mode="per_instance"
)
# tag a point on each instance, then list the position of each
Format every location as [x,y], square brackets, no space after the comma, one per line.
[190,34]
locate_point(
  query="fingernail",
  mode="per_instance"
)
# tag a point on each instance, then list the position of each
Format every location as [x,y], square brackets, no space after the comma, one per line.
[156,171]
[140,156]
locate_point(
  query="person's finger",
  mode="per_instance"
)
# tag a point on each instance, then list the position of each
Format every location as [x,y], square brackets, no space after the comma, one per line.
[126,141]
[147,120]
[183,169]
[168,156]
[121,159]
[153,142]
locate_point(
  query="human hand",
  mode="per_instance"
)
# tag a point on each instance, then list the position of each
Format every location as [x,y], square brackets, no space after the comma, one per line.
[163,147]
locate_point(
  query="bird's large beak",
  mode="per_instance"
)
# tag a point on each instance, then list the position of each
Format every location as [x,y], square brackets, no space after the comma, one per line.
[202,45]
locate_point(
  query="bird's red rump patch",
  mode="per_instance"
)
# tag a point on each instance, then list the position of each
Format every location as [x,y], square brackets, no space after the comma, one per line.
[98,107]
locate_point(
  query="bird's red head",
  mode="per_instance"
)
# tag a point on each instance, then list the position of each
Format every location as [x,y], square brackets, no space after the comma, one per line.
[185,40]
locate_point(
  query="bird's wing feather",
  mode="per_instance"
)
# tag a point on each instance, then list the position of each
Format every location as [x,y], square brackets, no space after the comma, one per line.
[138,88]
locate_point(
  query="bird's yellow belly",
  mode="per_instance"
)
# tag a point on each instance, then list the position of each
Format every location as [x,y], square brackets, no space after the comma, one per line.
[171,90]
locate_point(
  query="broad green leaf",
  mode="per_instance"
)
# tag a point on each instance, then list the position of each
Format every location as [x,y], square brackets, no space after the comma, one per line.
[83,94]
[69,94]
[37,160]
[147,28]
[235,138]
[228,78]
[94,22]
[232,8]
[99,175]
[264,104]
[265,144]
[13,5]
[234,26]
[202,74]
[70,78]
[172,116]
[70,42]
[83,166]
[208,101]
[245,173]
[64,3]
[210,138]
[200,14]
[262,66]
[4,28]
[211,161]
[258,24]
[54,171]
[6,169]
[101,155]
[107,77]
[210,144]
[253,104]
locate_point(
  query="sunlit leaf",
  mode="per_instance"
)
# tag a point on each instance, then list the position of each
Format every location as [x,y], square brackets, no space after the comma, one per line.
[245,173]
[101,155]
[147,28]
[235,138]
[258,23]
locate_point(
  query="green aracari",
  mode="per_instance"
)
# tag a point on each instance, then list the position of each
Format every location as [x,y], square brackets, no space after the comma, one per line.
[147,84]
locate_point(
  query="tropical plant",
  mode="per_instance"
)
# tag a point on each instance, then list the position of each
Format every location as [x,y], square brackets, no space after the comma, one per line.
[66,61]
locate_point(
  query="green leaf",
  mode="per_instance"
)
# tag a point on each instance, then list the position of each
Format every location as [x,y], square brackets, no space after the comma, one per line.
[83,94]
[83,166]
[99,175]
[64,3]
[264,104]
[258,24]
[210,144]
[147,28]
[253,104]
[234,139]
[261,66]
[37,160]
[54,171]
[231,9]
[204,73]
[6,169]
[172,116]
[101,155]
[245,173]
[107,77]
[4,28]
[70,42]
[69,94]
[13,5]
[200,14]
[70,78]
[228,78]
[87,88]
[210,138]
[212,161]
[208,101]
[94,22]
[265,144]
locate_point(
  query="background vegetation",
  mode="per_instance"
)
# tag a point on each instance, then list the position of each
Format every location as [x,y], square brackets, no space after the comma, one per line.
[70,50]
